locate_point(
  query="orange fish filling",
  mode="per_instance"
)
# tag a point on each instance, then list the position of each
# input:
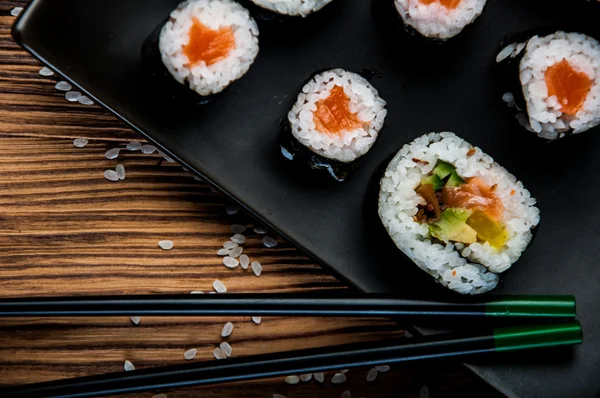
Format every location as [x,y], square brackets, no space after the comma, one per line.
[449,4]
[570,86]
[474,195]
[208,45]
[333,115]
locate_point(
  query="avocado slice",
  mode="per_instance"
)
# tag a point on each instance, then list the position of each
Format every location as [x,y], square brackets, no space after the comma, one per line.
[443,169]
[433,180]
[454,180]
[452,226]
[488,229]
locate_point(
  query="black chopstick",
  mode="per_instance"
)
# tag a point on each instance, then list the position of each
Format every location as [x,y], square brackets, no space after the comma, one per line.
[307,361]
[359,304]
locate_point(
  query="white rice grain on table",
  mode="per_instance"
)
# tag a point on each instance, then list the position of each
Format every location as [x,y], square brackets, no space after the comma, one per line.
[120,169]
[306,377]
[244,261]
[231,209]
[256,268]
[279,396]
[112,153]
[382,368]
[135,320]
[134,146]
[256,319]
[45,71]
[85,100]
[15,12]
[346,394]
[260,230]
[148,149]
[160,396]
[320,377]
[238,238]
[269,242]
[229,245]
[63,86]
[222,252]
[219,286]
[292,379]
[111,175]
[226,348]
[219,354]
[128,366]
[80,142]
[72,96]
[230,262]
[372,375]
[236,252]
[237,228]
[166,244]
[338,378]
[227,330]
[190,354]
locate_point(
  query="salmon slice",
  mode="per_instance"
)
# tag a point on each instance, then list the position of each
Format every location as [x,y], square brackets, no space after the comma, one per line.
[333,114]
[474,195]
[570,86]
[449,4]
[208,45]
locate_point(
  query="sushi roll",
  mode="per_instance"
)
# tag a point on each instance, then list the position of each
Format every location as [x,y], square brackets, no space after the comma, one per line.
[438,19]
[208,44]
[554,82]
[335,120]
[459,216]
[292,7]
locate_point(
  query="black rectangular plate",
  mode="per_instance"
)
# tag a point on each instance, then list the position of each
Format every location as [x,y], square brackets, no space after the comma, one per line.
[233,143]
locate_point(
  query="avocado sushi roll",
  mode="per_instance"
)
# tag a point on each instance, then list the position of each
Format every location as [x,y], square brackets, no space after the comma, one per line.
[461,217]
[208,44]
[336,119]
[555,82]
[438,19]
[292,7]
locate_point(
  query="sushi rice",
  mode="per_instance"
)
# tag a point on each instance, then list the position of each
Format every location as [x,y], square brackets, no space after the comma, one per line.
[292,7]
[465,268]
[363,101]
[208,78]
[439,19]
[545,112]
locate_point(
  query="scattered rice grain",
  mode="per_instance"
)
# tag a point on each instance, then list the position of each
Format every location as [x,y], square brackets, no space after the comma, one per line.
[237,228]
[372,375]
[72,96]
[120,169]
[256,268]
[231,209]
[230,262]
[85,100]
[80,142]
[128,366]
[382,368]
[227,330]
[346,394]
[229,245]
[226,348]
[244,261]
[279,396]
[306,377]
[292,379]
[15,12]
[45,71]
[338,378]
[112,153]
[166,244]
[148,149]
[63,86]
[256,319]
[320,377]
[259,229]
[111,175]
[160,396]
[190,354]
[196,292]
[222,252]
[134,146]
[269,242]
[344,371]
[219,354]
[135,320]
[236,252]
[238,238]
[219,286]
[424,392]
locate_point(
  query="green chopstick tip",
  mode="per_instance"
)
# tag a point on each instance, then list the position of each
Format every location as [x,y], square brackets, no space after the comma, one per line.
[537,336]
[562,306]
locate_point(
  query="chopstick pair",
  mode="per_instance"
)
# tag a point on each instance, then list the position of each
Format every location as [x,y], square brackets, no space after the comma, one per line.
[465,344]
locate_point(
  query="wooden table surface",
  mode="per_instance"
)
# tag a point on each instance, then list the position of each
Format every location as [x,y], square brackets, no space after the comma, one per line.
[65,229]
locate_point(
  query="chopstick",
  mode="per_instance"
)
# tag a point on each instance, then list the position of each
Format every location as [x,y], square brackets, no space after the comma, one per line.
[308,361]
[358,304]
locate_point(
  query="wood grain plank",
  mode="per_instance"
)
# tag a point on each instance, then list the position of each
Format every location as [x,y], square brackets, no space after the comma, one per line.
[64,229]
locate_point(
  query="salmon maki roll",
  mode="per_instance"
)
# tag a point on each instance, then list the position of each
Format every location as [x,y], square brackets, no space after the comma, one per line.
[335,120]
[461,217]
[207,44]
[439,19]
[300,8]
[555,83]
